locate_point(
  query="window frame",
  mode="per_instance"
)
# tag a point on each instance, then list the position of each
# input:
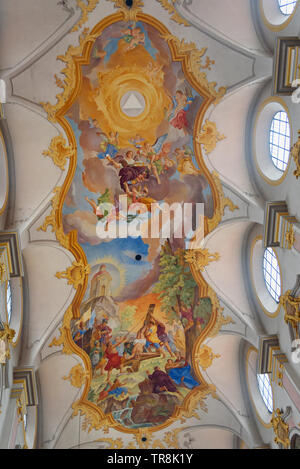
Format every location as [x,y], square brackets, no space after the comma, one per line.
[8,300]
[265,390]
[284,4]
[275,294]
[276,160]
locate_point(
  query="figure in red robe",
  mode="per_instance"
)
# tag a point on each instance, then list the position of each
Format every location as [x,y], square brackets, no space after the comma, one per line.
[179,114]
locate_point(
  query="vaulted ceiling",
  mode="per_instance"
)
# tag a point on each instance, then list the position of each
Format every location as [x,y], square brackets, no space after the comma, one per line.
[33,34]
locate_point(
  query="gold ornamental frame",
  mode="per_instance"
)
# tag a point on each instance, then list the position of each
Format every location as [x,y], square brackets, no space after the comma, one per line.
[61,149]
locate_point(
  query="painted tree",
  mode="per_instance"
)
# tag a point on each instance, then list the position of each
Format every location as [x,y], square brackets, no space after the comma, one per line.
[179,294]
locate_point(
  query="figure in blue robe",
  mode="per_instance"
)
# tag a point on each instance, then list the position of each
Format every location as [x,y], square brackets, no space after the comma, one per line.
[181,375]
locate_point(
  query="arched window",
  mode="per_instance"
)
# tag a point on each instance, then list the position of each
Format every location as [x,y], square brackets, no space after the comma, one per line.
[287,6]
[8,301]
[295,443]
[25,421]
[280,140]
[272,274]
[260,389]
[265,390]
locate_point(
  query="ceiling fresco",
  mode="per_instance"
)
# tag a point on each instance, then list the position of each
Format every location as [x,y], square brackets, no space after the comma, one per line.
[132,109]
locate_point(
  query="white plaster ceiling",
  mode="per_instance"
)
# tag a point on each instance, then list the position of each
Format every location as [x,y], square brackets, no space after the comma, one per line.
[39,20]
[225,371]
[231,118]
[229,19]
[36,175]
[227,240]
[49,296]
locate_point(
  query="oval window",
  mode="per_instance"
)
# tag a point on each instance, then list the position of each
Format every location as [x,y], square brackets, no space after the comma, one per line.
[280,140]
[272,274]
[287,6]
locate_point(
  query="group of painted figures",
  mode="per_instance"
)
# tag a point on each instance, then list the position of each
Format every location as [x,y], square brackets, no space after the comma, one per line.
[125,354]
[136,166]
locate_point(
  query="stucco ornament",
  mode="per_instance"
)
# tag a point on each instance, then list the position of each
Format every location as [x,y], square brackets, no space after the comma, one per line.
[2,272]
[205,357]
[209,136]
[77,376]
[59,151]
[281,428]
[6,337]
[201,258]
[170,6]
[295,153]
[75,274]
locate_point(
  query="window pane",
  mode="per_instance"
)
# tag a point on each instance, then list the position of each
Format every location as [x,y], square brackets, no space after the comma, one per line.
[272,274]
[265,390]
[280,141]
[287,6]
[8,302]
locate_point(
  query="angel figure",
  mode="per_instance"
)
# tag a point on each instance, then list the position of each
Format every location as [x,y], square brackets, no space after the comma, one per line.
[185,165]
[137,141]
[139,195]
[109,145]
[99,208]
[178,115]
[106,212]
[137,37]
[164,157]
[150,152]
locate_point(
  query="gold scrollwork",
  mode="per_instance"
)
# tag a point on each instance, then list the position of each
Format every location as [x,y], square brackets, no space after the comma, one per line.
[281,429]
[169,5]
[197,402]
[195,65]
[143,439]
[224,202]
[171,438]
[290,237]
[91,420]
[2,272]
[220,319]
[59,151]
[209,136]
[77,376]
[75,274]
[21,412]
[201,258]
[295,152]
[205,357]
[6,337]
[64,334]
[291,306]
[130,14]
[85,8]
[70,74]
[51,220]
[279,375]
[114,444]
